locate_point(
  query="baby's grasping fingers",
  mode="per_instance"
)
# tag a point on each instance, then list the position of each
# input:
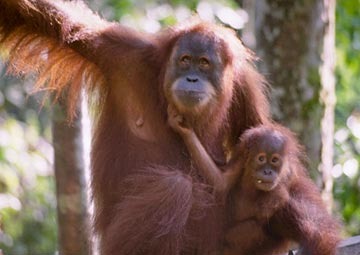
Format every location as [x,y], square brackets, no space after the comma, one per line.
[177,121]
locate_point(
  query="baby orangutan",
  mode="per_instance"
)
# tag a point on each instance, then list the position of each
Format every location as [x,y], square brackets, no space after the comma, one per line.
[271,200]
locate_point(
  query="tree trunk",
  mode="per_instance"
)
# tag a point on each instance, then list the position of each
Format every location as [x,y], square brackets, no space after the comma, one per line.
[295,43]
[73,219]
[328,100]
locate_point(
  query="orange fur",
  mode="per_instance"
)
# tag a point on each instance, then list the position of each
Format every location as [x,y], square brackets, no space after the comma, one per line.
[291,212]
[69,47]
[40,39]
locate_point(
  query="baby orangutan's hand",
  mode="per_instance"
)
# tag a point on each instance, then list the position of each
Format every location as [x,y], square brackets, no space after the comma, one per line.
[177,122]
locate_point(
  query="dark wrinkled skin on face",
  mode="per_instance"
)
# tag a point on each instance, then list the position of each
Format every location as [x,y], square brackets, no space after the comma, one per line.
[194,75]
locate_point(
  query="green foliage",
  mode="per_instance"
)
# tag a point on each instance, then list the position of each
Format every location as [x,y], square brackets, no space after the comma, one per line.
[27,198]
[347,114]
[151,15]
[348,54]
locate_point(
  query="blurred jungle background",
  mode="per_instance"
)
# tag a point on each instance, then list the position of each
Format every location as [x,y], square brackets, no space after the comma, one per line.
[292,57]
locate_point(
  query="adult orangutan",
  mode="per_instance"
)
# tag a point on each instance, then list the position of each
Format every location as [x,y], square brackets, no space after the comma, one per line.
[147,192]
[273,201]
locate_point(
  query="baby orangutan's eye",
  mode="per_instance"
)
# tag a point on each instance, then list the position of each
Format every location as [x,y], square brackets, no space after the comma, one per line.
[276,159]
[261,158]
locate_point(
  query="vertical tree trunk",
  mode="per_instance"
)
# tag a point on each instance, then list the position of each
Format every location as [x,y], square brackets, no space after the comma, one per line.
[73,219]
[295,43]
[328,99]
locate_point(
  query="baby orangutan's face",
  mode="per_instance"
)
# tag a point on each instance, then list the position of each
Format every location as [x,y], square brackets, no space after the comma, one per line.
[266,162]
